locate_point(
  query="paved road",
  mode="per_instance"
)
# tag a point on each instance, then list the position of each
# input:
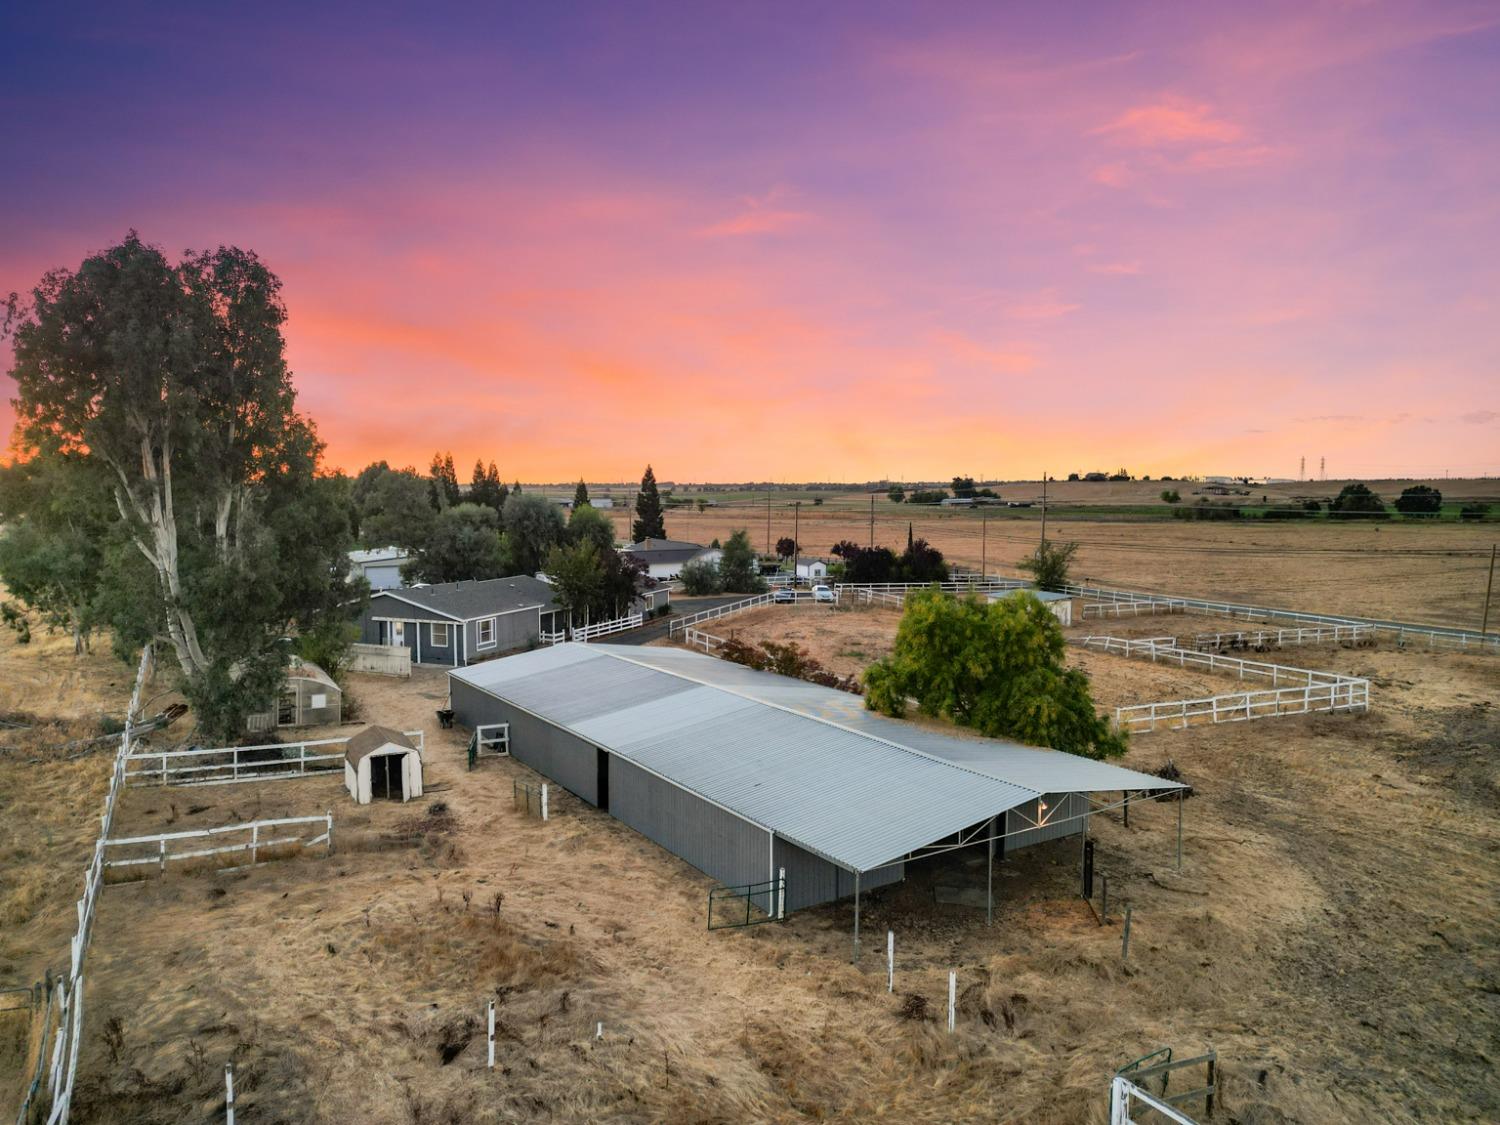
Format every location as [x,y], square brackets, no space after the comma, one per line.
[681,607]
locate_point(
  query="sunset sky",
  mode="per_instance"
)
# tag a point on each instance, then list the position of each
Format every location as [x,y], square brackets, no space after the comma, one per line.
[811,241]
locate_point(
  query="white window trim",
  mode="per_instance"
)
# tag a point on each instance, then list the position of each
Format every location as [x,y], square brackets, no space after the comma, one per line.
[432,634]
[479,641]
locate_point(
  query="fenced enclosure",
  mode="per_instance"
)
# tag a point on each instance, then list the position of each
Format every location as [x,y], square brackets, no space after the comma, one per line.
[586,633]
[1131,609]
[732,908]
[679,625]
[381,660]
[697,638]
[156,849]
[1154,650]
[63,1031]
[1278,638]
[230,765]
[1177,714]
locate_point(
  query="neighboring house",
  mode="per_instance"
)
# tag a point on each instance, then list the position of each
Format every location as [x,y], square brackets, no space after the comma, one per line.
[813,570]
[1061,605]
[456,623]
[957,502]
[665,558]
[379,566]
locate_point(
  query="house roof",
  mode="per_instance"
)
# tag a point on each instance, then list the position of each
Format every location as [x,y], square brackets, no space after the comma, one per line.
[464,601]
[809,763]
[1039,595]
[371,739]
[665,550]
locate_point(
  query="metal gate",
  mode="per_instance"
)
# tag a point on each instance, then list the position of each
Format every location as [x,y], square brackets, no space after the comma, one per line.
[750,905]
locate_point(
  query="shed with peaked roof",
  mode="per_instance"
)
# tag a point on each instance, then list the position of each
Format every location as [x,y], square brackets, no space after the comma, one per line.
[381,764]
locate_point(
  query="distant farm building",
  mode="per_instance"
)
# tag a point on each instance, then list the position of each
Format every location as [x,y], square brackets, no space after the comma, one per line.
[812,570]
[957,502]
[665,558]
[742,773]
[1061,605]
[456,623]
[381,764]
[379,566]
[310,699]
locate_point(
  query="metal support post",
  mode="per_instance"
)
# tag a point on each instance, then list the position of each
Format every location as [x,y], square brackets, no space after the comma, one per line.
[856,917]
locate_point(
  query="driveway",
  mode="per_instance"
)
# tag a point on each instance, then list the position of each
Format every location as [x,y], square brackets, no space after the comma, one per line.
[681,607]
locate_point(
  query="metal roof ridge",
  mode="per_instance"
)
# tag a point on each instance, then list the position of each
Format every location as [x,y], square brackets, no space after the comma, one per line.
[912,750]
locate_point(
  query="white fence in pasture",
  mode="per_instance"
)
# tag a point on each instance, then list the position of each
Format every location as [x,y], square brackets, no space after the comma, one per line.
[1404,632]
[865,596]
[66,1028]
[1131,609]
[1177,714]
[229,765]
[680,625]
[1152,649]
[157,852]
[1278,638]
[697,638]
[382,660]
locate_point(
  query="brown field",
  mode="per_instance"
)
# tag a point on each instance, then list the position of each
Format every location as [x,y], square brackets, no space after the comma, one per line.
[1398,570]
[1333,934]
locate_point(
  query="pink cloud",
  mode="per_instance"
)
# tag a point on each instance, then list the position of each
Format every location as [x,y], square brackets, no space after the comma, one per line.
[1172,121]
[759,215]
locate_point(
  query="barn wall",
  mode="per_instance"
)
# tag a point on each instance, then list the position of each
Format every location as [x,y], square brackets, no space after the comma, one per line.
[715,841]
[1066,805]
[559,756]
[811,879]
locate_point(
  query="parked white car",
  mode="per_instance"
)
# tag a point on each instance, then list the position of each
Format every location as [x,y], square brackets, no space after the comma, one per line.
[823,594]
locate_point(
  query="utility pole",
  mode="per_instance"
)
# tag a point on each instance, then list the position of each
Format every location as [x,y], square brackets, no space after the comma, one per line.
[1488,587]
[872,519]
[1044,507]
[796,538]
[770,549]
[984,534]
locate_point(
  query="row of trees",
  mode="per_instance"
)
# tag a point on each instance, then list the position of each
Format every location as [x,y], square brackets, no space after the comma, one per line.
[920,562]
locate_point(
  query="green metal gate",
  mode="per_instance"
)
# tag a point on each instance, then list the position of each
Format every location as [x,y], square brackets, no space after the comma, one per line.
[749,905]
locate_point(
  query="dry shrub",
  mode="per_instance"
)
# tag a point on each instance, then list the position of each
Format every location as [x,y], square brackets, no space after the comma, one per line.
[914,1007]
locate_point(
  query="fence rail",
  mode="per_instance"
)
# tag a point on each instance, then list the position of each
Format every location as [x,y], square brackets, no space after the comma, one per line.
[697,638]
[1152,649]
[1131,609]
[1435,636]
[681,624]
[1320,634]
[229,765]
[587,633]
[1178,714]
[162,854]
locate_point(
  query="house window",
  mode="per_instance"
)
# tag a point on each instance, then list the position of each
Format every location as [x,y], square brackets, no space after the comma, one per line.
[487,632]
[440,635]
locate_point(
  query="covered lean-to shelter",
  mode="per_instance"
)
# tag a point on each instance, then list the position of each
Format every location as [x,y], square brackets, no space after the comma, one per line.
[381,764]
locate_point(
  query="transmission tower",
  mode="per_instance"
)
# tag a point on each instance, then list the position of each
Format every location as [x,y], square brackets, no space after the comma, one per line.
[1302,468]
[1323,467]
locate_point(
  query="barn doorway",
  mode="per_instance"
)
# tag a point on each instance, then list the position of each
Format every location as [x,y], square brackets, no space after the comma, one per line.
[601,766]
[385,777]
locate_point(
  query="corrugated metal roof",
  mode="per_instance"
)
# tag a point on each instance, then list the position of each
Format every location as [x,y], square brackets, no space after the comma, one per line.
[808,762]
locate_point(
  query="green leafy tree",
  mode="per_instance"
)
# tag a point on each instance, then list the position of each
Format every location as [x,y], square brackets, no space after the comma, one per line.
[1420,500]
[996,667]
[486,488]
[392,507]
[464,546]
[1049,564]
[55,520]
[580,495]
[738,568]
[1356,501]
[443,489]
[649,523]
[922,562]
[700,578]
[896,494]
[1171,496]
[786,547]
[170,381]
[588,524]
[577,579]
[533,525]
[963,487]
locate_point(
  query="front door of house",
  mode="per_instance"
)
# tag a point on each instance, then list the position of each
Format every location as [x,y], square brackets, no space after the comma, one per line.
[398,632]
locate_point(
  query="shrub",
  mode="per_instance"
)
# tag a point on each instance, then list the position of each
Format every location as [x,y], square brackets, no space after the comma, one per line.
[1420,500]
[1474,511]
[1171,495]
[1356,501]
[701,577]
[1049,564]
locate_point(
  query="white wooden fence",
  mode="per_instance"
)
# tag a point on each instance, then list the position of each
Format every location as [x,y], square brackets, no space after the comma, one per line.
[1131,609]
[1177,714]
[382,660]
[228,765]
[1125,1095]
[681,624]
[158,853]
[1322,634]
[865,596]
[1152,649]
[66,1031]
[697,638]
[586,633]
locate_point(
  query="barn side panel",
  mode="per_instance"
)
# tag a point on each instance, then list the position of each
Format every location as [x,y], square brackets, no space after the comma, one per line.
[1059,816]
[812,880]
[715,841]
[554,753]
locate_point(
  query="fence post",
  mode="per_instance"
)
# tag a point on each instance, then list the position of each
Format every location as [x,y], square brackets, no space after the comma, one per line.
[254,843]
[490,1013]
[162,861]
[229,1093]
[544,800]
[781,893]
[328,843]
[1125,937]
[890,960]
[952,999]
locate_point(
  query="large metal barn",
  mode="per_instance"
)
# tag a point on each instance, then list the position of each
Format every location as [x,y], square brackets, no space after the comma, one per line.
[745,773]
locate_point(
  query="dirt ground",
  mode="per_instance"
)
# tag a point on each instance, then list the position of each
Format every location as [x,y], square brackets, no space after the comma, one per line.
[1408,571]
[1332,934]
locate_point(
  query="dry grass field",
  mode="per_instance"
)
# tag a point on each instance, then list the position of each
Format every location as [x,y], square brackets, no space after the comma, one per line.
[1333,933]
[1416,572]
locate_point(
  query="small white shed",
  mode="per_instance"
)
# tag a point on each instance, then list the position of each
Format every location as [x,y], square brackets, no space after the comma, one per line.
[1061,605]
[814,570]
[381,764]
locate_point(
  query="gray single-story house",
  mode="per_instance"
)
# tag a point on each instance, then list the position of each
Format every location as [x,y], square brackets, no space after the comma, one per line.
[457,623]
[665,558]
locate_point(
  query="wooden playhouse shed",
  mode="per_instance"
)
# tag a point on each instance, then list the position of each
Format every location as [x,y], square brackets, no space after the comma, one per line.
[381,764]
